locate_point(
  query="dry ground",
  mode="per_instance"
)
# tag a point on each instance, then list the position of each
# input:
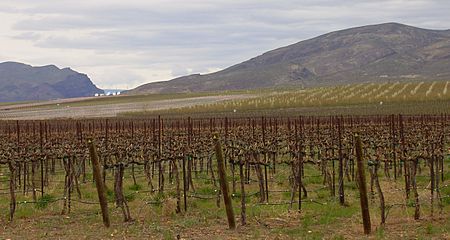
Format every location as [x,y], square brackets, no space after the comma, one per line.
[68,108]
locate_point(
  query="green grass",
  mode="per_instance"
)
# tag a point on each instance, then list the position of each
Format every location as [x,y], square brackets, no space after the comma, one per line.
[135,187]
[43,201]
[209,190]
[380,233]
[24,211]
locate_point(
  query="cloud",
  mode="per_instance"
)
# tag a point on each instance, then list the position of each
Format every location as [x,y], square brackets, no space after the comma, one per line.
[32,36]
[178,70]
[132,42]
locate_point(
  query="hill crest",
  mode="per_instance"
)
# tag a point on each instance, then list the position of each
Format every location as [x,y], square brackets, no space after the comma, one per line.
[373,53]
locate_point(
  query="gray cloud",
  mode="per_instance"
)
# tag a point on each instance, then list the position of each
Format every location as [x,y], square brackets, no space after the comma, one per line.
[158,40]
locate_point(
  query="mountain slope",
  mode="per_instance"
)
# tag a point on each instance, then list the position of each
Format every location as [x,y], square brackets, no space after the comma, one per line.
[21,82]
[375,53]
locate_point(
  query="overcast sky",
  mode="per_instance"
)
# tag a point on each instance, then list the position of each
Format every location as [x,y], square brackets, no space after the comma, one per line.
[125,43]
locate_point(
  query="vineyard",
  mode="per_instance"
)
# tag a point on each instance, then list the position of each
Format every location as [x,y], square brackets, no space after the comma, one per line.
[373,94]
[287,177]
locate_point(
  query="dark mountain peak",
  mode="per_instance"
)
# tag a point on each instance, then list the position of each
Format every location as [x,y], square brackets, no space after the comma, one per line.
[383,28]
[22,82]
[10,65]
[13,65]
[393,24]
[49,67]
[389,27]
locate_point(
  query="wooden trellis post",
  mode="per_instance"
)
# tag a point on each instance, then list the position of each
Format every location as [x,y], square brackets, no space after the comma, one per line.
[223,183]
[99,183]
[362,186]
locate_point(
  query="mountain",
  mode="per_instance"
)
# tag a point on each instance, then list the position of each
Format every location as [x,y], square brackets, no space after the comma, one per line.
[374,53]
[21,82]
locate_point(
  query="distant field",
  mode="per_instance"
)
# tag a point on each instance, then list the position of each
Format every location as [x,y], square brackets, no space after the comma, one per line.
[105,100]
[109,106]
[365,98]
[118,99]
[12,103]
